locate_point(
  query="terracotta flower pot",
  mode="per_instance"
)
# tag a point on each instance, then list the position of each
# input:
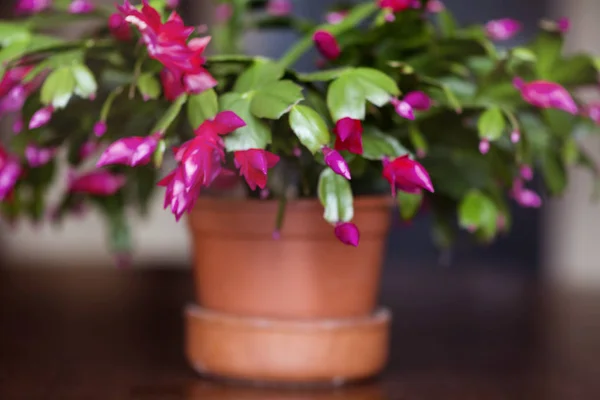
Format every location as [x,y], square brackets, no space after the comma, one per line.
[290,298]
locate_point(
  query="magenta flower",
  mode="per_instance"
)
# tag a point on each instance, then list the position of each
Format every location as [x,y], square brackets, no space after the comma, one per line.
[484,146]
[279,8]
[13,92]
[223,13]
[336,162]
[545,94]
[81,7]
[99,128]
[327,44]
[254,165]
[593,112]
[172,84]
[32,6]
[18,125]
[10,171]
[41,117]
[335,17]
[347,233]
[38,156]
[97,183]
[132,151]
[165,42]
[563,24]
[178,196]
[418,100]
[526,172]
[395,6]
[348,135]
[435,6]
[525,197]
[119,28]
[406,175]
[172,4]
[502,29]
[403,109]
[515,136]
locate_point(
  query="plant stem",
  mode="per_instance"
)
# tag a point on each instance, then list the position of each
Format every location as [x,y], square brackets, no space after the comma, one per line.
[512,118]
[281,212]
[358,14]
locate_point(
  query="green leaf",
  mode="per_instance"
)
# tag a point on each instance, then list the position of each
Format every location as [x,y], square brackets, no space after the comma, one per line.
[261,73]
[418,140]
[275,99]
[309,127]
[255,135]
[322,76]
[409,204]
[548,47]
[336,196]
[148,86]
[58,87]
[159,153]
[201,107]
[14,51]
[377,86]
[170,115]
[447,23]
[65,59]
[523,54]
[554,172]
[346,99]
[12,32]
[491,124]
[85,83]
[478,211]
[570,152]
[576,70]
[377,145]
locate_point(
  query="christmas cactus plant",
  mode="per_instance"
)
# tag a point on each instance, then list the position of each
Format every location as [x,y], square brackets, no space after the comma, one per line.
[400,96]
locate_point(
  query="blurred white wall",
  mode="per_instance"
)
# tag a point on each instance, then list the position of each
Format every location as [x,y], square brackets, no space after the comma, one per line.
[572,241]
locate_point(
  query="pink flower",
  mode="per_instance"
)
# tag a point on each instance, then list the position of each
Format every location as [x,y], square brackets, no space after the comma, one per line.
[97,183]
[326,44]
[32,6]
[223,13]
[180,197]
[41,117]
[403,109]
[165,42]
[502,29]
[81,7]
[406,175]
[348,135]
[347,233]
[172,4]
[132,151]
[335,17]
[435,6]
[254,165]
[563,24]
[545,94]
[38,156]
[87,149]
[99,128]
[172,84]
[279,8]
[526,172]
[484,146]
[395,6]
[593,112]
[336,162]
[418,100]
[525,197]
[119,28]
[515,136]
[13,92]
[10,171]
[18,125]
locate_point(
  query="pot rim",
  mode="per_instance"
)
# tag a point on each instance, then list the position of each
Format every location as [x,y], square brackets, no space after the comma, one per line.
[257,205]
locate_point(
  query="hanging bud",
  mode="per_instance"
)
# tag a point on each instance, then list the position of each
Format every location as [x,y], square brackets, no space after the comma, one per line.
[336,162]
[347,233]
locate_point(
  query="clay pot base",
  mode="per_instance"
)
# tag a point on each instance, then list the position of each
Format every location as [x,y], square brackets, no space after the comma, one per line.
[286,352]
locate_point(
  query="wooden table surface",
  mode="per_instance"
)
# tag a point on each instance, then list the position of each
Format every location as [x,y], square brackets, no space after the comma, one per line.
[107,334]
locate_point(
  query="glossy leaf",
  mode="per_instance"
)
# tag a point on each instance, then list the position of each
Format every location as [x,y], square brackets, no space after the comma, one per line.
[309,127]
[148,86]
[408,204]
[377,86]
[255,135]
[12,32]
[491,124]
[345,98]
[58,87]
[476,210]
[85,83]
[322,76]
[377,145]
[547,47]
[258,75]
[201,107]
[335,195]
[275,99]
[554,173]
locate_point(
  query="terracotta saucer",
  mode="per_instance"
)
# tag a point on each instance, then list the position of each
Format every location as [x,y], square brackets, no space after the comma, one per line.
[328,351]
